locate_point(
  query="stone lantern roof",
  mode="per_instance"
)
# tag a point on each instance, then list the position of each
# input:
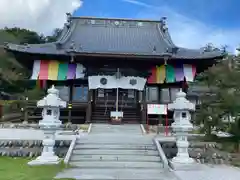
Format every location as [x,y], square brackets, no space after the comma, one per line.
[181,103]
[52,99]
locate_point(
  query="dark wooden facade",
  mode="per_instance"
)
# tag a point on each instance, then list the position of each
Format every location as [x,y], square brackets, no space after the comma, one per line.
[151,47]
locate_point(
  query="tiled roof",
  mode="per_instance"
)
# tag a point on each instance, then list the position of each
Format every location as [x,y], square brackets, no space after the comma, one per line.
[115,36]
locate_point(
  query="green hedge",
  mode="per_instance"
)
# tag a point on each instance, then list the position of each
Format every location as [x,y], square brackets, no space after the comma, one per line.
[11,106]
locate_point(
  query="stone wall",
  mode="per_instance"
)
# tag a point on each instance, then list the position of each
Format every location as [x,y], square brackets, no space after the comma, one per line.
[69,127]
[30,148]
[202,152]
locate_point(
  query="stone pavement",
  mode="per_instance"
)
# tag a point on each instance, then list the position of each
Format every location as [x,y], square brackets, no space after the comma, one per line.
[209,172]
[119,152]
[114,152]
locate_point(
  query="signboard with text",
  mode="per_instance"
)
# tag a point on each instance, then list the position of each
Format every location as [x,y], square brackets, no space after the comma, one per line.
[157,109]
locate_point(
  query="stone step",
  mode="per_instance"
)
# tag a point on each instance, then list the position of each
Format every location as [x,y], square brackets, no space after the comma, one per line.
[111,140]
[116,164]
[116,174]
[109,112]
[116,128]
[126,132]
[129,117]
[127,158]
[108,116]
[114,152]
[112,136]
[115,146]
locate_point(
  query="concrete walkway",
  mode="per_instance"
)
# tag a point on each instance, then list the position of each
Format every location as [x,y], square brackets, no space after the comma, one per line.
[133,129]
[117,152]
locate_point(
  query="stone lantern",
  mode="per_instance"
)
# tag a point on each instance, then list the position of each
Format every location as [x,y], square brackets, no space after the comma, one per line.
[182,126]
[50,123]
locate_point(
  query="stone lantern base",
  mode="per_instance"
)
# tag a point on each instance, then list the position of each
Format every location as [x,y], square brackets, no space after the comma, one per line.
[183,160]
[45,159]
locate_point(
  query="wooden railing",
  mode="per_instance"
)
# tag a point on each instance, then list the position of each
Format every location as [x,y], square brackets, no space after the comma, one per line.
[33,113]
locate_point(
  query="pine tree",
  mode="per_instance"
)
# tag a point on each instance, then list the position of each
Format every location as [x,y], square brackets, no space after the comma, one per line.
[222,98]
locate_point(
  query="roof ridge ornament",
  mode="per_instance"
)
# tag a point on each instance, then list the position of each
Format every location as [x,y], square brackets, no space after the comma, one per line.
[154,49]
[72,50]
[26,45]
[210,48]
[72,46]
[58,45]
[69,19]
[172,50]
[163,26]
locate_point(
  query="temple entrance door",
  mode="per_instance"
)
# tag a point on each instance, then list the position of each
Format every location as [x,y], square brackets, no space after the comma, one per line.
[127,98]
[105,102]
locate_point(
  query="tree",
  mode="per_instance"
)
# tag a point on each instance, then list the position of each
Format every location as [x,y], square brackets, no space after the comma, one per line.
[55,35]
[11,72]
[222,98]
[25,36]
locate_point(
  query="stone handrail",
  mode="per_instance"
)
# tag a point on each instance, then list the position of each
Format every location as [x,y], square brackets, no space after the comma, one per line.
[70,150]
[161,154]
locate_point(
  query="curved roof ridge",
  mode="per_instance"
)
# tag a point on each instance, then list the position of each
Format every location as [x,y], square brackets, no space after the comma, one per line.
[163,36]
[63,33]
[169,38]
[68,33]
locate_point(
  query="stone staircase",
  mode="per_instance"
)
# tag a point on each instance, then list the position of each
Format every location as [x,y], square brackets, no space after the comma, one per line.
[102,115]
[116,152]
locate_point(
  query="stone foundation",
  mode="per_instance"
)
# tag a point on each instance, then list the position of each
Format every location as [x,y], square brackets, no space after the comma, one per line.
[202,152]
[31,149]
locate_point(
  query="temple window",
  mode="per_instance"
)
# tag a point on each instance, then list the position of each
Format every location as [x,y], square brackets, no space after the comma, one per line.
[64,92]
[165,95]
[173,92]
[152,94]
[168,95]
[80,93]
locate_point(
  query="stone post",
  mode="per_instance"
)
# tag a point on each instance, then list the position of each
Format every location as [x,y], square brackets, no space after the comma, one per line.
[50,123]
[182,126]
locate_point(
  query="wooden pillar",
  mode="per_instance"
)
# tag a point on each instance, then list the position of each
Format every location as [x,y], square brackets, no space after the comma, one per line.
[70,102]
[143,107]
[89,107]
[25,114]
[185,86]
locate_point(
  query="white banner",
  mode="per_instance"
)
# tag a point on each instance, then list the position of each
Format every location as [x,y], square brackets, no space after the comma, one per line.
[36,70]
[110,82]
[80,71]
[157,109]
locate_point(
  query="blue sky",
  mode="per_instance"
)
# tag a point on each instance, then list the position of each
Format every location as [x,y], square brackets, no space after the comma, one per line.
[192,23]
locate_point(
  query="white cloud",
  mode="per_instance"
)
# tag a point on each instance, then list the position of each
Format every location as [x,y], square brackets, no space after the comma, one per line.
[38,15]
[138,3]
[190,33]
